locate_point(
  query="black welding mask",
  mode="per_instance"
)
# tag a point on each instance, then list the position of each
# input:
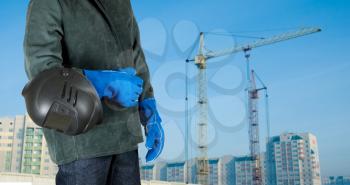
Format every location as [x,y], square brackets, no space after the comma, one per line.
[64,100]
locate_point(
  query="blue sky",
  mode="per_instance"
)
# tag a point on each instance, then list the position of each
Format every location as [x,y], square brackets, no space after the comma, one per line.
[308,77]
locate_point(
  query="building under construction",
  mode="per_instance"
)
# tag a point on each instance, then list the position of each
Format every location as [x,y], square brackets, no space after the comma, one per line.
[200,60]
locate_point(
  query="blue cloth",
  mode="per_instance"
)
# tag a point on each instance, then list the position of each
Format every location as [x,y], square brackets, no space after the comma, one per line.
[121,169]
[122,86]
[150,118]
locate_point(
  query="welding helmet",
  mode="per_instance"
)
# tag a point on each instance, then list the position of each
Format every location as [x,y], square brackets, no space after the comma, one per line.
[64,100]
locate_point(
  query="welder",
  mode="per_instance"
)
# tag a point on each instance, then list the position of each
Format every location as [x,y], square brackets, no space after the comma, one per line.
[96,41]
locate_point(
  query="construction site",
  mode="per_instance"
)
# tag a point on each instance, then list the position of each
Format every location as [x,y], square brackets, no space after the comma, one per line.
[255,88]
[190,92]
[196,167]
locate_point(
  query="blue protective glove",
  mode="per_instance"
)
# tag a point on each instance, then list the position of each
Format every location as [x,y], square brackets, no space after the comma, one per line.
[122,86]
[154,132]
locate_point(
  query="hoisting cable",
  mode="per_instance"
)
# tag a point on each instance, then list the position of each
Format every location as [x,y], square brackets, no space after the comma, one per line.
[267,113]
[233,35]
[187,115]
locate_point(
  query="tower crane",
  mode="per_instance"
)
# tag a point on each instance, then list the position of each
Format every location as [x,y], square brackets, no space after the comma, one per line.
[200,61]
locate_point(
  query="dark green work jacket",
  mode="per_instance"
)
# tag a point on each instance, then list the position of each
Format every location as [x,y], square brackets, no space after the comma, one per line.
[88,34]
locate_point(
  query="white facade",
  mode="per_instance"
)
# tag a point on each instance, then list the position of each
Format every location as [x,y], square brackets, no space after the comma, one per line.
[243,170]
[294,160]
[10,147]
[176,172]
[23,148]
[41,180]
[155,171]
[221,171]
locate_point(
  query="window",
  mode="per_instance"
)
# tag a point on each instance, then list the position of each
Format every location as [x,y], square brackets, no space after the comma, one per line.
[39,131]
[28,152]
[36,152]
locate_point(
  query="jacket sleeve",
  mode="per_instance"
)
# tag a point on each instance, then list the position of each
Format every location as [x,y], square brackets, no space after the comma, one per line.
[141,65]
[43,37]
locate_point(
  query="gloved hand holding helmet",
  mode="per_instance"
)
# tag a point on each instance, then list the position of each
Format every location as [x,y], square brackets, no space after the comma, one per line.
[122,86]
[64,100]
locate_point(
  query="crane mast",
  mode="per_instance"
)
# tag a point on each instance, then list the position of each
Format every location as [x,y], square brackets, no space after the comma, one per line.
[202,120]
[253,119]
[202,160]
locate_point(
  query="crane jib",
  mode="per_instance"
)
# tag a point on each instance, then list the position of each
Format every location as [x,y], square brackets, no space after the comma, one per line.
[262,42]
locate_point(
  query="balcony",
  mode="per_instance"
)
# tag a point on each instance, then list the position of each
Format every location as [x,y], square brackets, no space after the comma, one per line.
[37,148]
[27,170]
[29,133]
[27,163]
[37,172]
[35,163]
[37,140]
[36,155]
[27,155]
[28,147]
[29,140]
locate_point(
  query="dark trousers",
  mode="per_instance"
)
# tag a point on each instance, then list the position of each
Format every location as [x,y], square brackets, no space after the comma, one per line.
[119,169]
